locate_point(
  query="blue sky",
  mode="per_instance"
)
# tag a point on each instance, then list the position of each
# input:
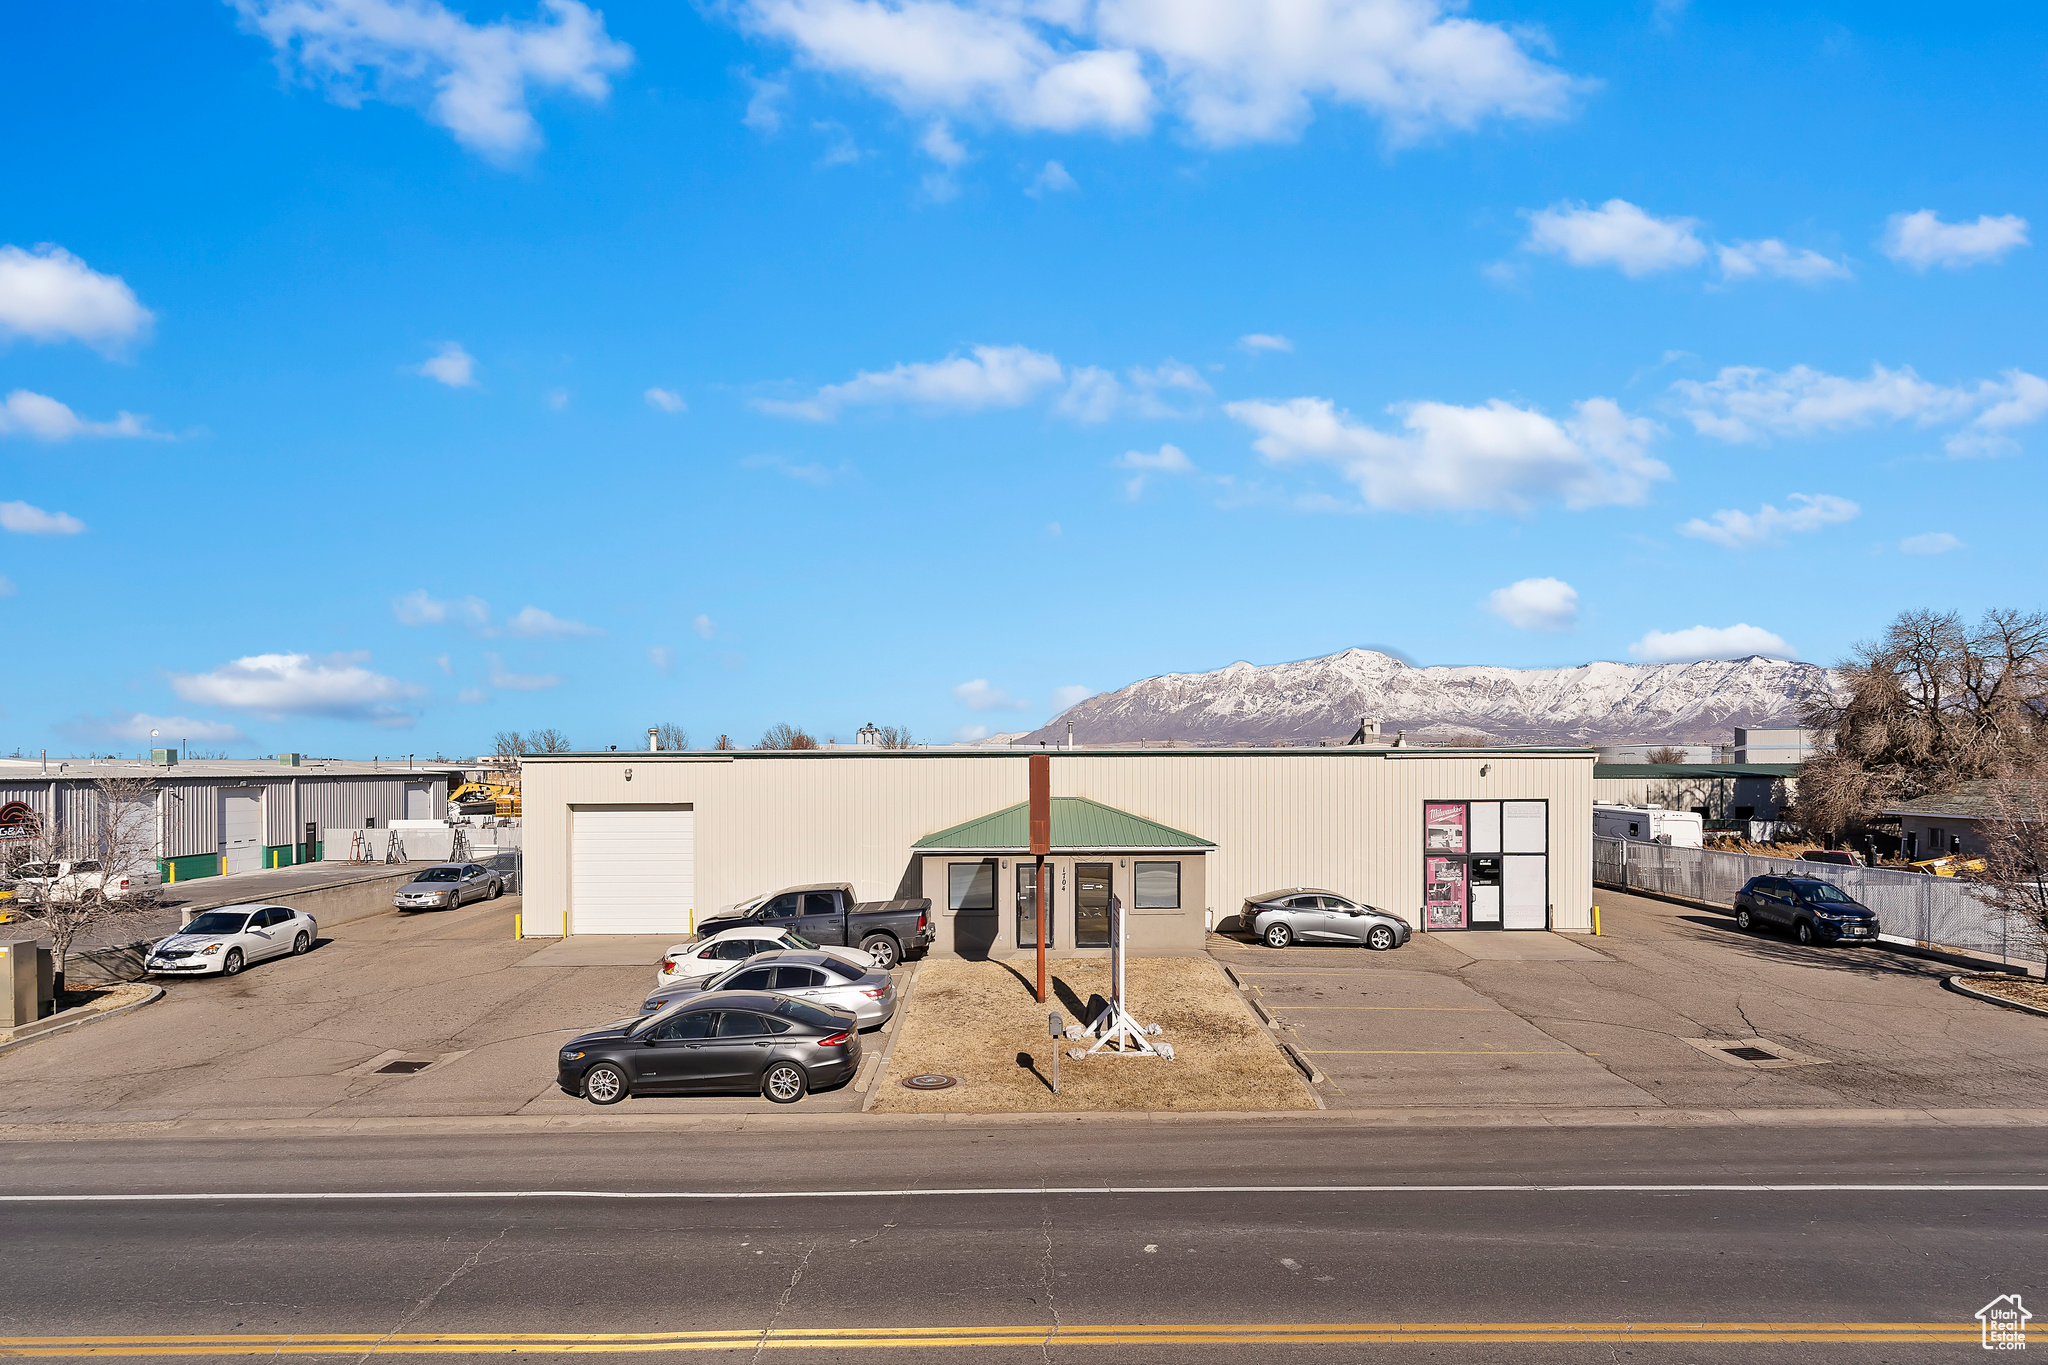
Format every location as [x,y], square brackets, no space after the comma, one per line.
[380,375]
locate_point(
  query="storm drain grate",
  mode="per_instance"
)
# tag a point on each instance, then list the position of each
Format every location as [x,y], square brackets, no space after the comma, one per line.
[1752,1054]
[402,1068]
[930,1081]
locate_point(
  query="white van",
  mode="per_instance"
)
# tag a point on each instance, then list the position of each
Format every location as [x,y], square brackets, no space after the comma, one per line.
[1650,824]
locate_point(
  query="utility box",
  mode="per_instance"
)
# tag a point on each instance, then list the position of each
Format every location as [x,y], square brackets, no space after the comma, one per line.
[26,981]
[164,758]
[288,760]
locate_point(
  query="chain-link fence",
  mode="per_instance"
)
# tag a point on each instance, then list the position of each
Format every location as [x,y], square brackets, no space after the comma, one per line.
[1937,911]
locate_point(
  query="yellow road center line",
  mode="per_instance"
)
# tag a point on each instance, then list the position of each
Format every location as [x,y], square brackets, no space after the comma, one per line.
[1431,1052]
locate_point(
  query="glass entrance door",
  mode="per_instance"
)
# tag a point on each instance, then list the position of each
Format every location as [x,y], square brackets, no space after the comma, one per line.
[1027,905]
[1091,905]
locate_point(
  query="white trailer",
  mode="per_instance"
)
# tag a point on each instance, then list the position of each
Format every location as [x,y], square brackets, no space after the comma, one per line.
[1650,824]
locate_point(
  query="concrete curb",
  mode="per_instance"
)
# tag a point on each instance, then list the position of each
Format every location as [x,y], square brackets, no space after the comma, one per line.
[1558,1117]
[1271,1026]
[1955,983]
[881,1075]
[156,994]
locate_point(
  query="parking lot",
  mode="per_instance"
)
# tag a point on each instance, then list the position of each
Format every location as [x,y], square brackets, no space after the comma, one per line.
[1504,1020]
[306,1037]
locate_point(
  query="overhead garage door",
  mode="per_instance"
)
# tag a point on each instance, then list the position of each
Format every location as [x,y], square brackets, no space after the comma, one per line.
[632,870]
[241,829]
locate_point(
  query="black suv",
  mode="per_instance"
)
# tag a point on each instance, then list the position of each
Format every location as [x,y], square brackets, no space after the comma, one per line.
[1814,910]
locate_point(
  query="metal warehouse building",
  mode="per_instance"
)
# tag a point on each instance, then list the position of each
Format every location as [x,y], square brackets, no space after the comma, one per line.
[1453,839]
[214,818]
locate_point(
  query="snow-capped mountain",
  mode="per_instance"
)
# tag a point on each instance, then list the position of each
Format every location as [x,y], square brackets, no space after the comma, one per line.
[1324,699]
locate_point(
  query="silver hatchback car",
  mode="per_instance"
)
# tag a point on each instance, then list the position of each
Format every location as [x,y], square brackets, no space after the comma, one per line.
[816,977]
[1309,914]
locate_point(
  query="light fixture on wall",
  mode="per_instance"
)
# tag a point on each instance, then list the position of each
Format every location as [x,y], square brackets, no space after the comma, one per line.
[629,774]
[1485,768]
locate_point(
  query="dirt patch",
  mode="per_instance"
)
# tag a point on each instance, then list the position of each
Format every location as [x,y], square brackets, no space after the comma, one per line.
[981,1022]
[2022,989]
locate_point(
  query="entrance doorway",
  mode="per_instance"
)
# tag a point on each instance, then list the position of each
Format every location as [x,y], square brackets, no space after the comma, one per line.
[1486,865]
[1027,906]
[1091,904]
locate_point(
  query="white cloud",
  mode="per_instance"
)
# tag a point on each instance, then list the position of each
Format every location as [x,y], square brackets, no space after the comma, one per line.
[1536,604]
[977,695]
[25,520]
[967,734]
[520,682]
[666,399]
[1073,694]
[136,726]
[1617,234]
[1052,179]
[661,657]
[1930,543]
[1169,460]
[50,295]
[419,608]
[532,623]
[1710,642]
[1255,342]
[940,145]
[992,377]
[279,685]
[1921,240]
[1449,458]
[1094,394]
[764,106]
[472,696]
[704,626]
[7,588]
[23,413]
[1771,257]
[1745,403]
[1052,528]
[1232,72]
[814,473]
[454,367]
[558,399]
[473,79]
[1742,530]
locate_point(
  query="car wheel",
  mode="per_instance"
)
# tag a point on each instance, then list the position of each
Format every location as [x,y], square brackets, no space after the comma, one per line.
[1743,920]
[882,949]
[303,944]
[1380,939]
[604,1084]
[1278,936]
[232,963]
[785,1083]
[497,890]
[1805,932]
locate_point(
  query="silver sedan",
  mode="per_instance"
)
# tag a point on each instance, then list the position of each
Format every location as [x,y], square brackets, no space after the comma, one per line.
[1309,914]
[447,885]
[816,977]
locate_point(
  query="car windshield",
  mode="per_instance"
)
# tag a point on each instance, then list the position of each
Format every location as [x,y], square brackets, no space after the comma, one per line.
[1822,893]
[807,1014]
[217,922]
[440,874]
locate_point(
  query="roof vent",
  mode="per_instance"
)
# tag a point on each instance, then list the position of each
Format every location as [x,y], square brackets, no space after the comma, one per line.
[164,758]
[288,760]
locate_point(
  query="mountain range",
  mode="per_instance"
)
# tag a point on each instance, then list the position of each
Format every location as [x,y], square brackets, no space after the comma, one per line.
[1316,700]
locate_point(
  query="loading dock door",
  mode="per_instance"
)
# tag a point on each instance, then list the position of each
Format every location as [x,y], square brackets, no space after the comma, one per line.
[241,829]
[632,869]
[419,801]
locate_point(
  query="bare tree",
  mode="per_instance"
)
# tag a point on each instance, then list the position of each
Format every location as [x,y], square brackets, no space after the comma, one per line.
[548,741]
[1934,704]
[1665,755]
[2015,874]
[74,871]
[671,736]
[894,737]
[783,735]
[724,744]
[510,744]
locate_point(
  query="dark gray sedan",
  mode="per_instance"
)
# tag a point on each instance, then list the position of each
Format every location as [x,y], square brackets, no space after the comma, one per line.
[447,885]
[725,1043]
[1309,914]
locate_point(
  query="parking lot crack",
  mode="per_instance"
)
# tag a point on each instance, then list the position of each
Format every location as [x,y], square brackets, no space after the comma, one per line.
[475,1259]
[1048,1276]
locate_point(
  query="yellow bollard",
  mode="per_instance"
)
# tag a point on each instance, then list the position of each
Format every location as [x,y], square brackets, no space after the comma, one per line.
[1596,921]
[515,925]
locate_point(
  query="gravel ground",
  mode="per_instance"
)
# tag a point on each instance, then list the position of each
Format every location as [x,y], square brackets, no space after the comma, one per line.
[2027,992]
[980,1022]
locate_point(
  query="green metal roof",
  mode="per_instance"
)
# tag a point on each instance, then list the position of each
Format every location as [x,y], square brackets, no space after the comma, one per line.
[1077,823]
[1695,770]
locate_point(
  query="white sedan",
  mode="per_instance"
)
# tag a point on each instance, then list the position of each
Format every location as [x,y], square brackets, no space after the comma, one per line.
[692,963]
[226,940]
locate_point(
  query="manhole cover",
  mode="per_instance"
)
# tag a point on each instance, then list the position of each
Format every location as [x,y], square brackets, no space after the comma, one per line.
[402,1068]
[1752,1054]
[930,1081]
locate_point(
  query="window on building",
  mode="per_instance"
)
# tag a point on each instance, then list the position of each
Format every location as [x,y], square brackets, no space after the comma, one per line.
[1156,886]
[971,886]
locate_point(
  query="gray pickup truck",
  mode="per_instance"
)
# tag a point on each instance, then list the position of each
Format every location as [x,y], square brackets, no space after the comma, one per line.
[827,913]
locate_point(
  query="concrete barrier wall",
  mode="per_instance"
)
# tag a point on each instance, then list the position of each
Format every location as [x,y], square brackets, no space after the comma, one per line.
[336,903]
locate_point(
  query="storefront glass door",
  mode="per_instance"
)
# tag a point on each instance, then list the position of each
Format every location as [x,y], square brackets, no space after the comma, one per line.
[1091,905]
[1027,906]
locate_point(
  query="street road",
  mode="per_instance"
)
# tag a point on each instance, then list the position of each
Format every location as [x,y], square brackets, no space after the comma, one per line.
[1671,1245]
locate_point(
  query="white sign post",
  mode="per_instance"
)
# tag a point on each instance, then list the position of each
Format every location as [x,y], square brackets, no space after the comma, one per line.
[1117,1034]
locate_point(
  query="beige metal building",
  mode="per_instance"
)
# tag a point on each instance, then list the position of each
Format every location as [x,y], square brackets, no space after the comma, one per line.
[1453,839]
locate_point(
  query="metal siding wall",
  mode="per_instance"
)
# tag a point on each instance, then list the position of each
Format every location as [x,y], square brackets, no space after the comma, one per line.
[1352,821]
[192,816]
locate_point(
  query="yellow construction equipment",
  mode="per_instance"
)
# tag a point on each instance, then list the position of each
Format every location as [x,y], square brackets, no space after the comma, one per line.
[1949,866]
[472,793]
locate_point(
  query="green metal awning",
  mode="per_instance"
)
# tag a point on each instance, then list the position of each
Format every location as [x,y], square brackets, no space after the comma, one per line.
[1077,824]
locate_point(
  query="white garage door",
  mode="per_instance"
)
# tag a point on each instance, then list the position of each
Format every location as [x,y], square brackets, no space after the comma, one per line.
[419,801]
[632,870]
[241,830]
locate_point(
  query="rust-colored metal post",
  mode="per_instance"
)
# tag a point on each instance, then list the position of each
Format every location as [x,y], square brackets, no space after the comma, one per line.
[1041,844]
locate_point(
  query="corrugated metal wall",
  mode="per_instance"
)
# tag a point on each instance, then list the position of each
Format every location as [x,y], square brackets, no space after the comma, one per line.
[1347,819]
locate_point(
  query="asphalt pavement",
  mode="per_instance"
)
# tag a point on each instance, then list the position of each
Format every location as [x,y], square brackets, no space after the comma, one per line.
[1248,1241]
